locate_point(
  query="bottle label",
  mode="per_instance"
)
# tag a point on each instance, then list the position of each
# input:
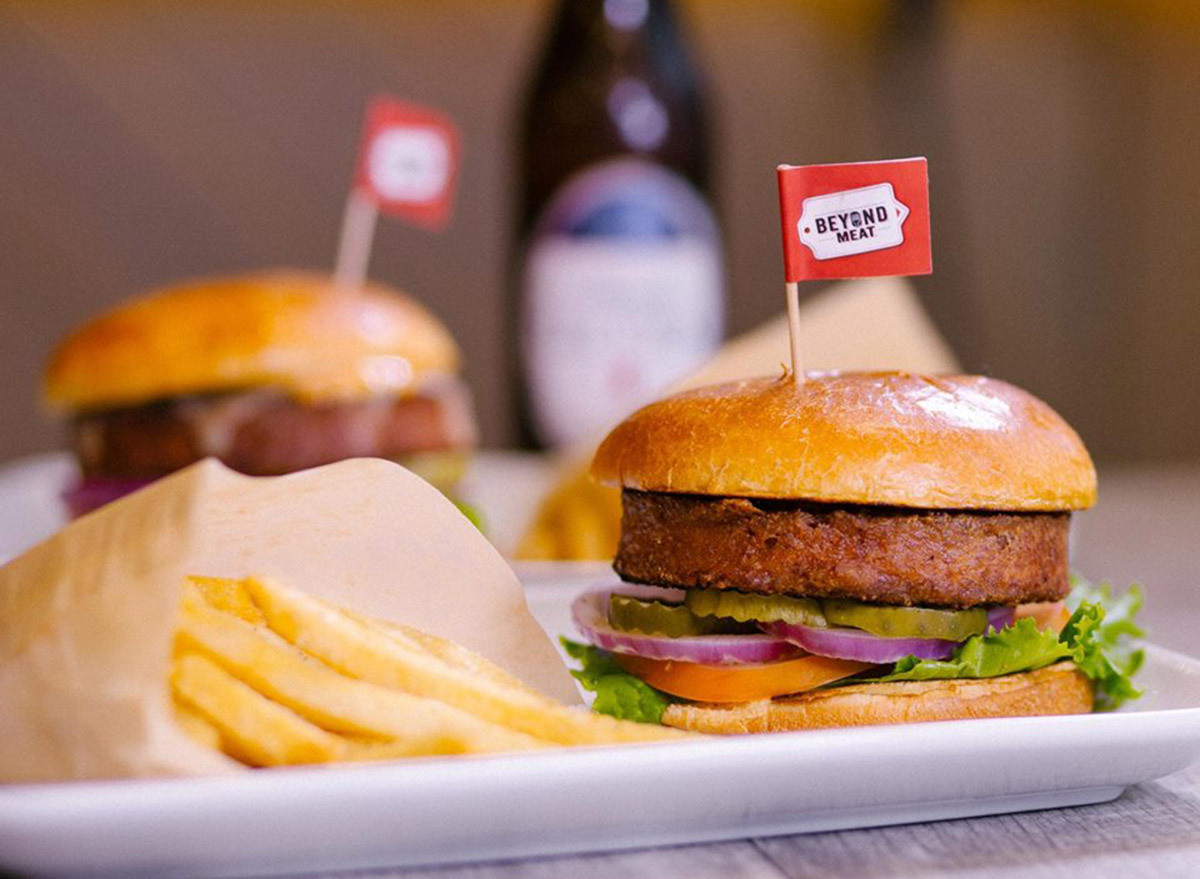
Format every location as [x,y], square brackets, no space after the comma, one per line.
[611,320]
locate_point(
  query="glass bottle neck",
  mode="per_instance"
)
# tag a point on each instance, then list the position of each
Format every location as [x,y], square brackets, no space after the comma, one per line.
[622,26]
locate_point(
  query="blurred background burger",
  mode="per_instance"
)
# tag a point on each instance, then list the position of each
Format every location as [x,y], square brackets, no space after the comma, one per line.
[270,373]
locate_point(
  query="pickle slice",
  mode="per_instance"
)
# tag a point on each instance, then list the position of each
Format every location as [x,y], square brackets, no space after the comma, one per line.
[907,622]
[657,618]
[744,607]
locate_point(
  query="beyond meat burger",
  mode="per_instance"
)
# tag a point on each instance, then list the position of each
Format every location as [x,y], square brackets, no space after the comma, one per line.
[854,549]
[270,373]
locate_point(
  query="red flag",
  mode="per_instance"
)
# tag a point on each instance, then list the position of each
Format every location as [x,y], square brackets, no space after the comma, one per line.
[408,161]
[855,220]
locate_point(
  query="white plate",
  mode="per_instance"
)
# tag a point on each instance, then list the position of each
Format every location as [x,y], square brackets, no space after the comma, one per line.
[31,508]
[439,811]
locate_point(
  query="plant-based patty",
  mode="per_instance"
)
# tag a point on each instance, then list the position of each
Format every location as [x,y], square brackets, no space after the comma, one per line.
[264,433]
[886,555]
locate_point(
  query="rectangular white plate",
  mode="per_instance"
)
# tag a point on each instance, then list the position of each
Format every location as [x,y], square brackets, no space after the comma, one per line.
[475,808]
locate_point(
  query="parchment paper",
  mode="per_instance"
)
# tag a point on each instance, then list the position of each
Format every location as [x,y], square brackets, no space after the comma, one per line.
[87,617]
[864,324]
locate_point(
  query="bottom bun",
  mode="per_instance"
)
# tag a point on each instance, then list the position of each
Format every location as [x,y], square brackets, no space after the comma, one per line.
[1057,689]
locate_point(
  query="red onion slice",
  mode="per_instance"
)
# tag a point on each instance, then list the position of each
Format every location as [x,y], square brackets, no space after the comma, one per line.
[590,613]
[846,643]
[93,493]
[1001,617]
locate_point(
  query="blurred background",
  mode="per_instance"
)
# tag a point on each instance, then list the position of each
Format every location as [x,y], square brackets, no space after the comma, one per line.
[147,142]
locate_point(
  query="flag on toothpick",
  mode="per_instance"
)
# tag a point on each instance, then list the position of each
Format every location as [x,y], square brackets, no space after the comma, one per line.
[855,220]
[852,220]
[407,168]
[409,161]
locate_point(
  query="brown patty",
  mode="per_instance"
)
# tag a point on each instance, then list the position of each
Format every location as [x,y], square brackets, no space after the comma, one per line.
[886,555]
[264,433]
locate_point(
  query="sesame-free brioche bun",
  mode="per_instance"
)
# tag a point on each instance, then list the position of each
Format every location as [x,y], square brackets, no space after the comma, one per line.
[1056,689]
[883,438]
[288,330]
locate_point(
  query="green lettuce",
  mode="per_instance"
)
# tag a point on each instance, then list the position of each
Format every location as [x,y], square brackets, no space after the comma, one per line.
[618,693]
[472,512]
[1097,638]
[1101,635]
[1021,647]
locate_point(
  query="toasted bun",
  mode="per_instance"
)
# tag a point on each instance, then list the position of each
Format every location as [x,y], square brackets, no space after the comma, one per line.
[1057,689]
[288,330]
[890,438]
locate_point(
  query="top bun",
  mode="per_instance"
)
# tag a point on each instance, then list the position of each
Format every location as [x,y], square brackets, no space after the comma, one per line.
[289,330]
[887,438]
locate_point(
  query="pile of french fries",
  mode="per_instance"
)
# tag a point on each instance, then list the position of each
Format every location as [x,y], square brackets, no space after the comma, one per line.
[272,676]
[580,520]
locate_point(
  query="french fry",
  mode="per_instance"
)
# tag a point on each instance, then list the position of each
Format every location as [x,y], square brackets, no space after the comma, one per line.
[229,596]
[585,533]
[373,750]
[411,725]
[273,676]
[363,652]
[196,725]
[579,519]
[449,652]
[253,729]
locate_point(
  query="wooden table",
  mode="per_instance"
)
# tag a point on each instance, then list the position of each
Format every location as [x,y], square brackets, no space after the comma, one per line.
[1146,529]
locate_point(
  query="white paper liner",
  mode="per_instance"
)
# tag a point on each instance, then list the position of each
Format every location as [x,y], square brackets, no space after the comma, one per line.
[87,617]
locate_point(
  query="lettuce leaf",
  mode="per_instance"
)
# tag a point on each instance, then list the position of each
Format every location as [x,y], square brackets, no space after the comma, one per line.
[1020,647]
[1100,635]
[1118,612]
[1097,638]
[473,513]
[618,693]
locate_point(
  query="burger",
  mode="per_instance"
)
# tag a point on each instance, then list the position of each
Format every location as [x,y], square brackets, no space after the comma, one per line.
[855,548]
[270,373]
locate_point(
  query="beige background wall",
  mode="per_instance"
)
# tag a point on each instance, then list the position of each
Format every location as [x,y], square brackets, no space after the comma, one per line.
[144,142]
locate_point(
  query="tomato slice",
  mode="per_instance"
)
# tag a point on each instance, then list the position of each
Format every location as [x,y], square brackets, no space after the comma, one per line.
[1050,616]
[738,683]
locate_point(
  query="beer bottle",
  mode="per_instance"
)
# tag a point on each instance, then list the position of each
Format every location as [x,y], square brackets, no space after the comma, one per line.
[620,287]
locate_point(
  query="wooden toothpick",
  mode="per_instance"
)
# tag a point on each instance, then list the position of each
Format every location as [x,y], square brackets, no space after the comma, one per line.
[354,245]
[793,319]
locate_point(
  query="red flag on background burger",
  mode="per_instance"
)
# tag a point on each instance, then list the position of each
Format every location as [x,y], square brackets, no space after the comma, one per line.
[408,162]
[855,220]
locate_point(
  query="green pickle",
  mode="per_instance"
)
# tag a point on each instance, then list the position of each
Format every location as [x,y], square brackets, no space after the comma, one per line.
[743,607]
[712,611]
[657,618]
[907,622]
